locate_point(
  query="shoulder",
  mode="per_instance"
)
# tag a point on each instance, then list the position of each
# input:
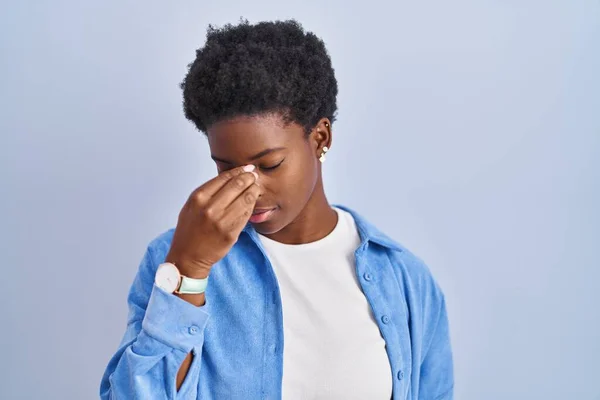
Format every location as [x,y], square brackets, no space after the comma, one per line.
[141,288]
[425,300]
[156,252]
[412,271]
[422,292]
[409,267]
[414,268]
[161,243]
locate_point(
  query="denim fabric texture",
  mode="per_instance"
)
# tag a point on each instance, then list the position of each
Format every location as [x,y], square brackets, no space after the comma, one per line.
[237,336]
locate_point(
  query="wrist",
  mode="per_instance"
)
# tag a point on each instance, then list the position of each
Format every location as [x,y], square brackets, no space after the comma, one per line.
[190,269]
[194,273]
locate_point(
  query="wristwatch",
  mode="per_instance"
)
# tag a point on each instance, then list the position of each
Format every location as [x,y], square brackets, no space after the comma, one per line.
[170,280]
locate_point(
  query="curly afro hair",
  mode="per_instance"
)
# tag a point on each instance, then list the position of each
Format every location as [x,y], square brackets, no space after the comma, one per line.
[255,69]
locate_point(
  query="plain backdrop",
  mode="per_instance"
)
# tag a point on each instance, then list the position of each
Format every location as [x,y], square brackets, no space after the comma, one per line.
[467,130]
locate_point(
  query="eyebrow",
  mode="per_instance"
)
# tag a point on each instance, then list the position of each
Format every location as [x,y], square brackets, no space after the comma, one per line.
[254,157]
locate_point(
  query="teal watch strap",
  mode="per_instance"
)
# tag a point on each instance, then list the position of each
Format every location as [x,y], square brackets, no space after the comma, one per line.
[192,286]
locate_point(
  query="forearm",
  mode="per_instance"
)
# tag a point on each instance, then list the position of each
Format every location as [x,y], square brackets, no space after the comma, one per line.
[155,354]
[197,300]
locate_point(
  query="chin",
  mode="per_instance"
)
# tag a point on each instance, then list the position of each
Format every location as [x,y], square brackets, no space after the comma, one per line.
[267,228]
[273,225]
[270,225]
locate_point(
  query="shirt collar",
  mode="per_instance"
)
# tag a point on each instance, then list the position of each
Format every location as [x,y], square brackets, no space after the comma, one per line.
[367,231]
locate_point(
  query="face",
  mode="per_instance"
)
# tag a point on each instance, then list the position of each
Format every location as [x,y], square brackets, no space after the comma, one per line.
[286,161]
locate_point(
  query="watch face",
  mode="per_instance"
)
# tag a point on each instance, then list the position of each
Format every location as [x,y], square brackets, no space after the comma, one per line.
[167,277]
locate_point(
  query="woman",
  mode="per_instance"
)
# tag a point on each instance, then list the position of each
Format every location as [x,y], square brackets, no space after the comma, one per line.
[264,290]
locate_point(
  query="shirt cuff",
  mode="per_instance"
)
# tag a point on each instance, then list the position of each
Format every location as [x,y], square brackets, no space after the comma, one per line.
[174,321]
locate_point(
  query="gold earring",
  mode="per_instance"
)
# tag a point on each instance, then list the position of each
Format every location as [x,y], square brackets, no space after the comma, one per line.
[322,158]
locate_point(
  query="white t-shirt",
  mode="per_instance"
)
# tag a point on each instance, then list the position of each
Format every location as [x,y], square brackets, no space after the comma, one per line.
[332,345]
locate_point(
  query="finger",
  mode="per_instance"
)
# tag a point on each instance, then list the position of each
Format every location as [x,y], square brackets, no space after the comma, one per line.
[231,190]
[209,188]
[240,210]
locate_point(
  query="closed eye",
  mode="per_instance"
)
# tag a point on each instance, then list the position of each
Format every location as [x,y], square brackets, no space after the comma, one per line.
[273,167]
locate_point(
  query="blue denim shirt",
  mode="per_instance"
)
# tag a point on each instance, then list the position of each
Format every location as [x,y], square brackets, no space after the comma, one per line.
[237,336]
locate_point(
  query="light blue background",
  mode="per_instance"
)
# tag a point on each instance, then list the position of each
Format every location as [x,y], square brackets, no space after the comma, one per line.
[468,130]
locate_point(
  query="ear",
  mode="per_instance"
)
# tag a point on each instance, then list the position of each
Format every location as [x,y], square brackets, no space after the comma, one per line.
[321,136]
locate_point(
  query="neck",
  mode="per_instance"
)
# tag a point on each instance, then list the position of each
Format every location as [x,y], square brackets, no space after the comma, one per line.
[314,222]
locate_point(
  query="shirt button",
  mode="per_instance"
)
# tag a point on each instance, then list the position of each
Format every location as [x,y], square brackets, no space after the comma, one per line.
[193,330]
[400,375]
[367,276]
[273,348]
[385,319]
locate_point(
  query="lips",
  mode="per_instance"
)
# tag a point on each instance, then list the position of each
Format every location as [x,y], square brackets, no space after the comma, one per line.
[261,215]
[261,210]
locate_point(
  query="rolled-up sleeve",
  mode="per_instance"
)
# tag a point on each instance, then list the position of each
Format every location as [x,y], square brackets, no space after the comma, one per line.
[161,330]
